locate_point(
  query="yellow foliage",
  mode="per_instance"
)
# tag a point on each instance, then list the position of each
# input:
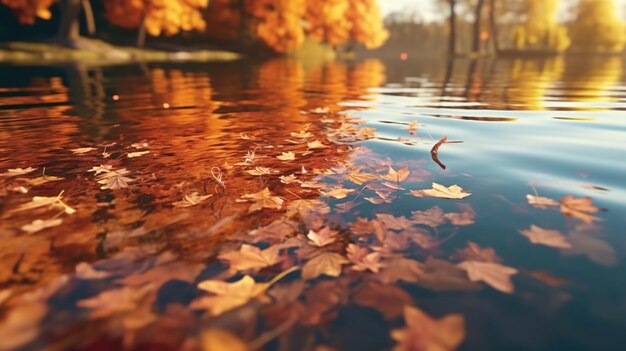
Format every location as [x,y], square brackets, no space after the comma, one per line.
[167,17]
[541,30]
[27,11]
[598,28]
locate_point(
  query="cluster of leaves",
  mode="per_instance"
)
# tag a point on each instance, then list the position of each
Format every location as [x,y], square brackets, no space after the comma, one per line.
[302,229]
[27,11]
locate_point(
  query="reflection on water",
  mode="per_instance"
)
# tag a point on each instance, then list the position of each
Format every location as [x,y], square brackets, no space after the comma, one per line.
[565,136]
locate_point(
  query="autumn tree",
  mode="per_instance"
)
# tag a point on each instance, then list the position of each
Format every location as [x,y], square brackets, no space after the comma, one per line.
[156,17]
[367,24]
[278,23]
[327,21]
[540,30]
[598,28]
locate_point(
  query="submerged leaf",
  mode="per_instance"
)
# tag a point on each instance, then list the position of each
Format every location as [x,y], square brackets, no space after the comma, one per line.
[425,333]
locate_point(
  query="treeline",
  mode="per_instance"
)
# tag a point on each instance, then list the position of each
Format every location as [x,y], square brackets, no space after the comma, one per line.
[279,25]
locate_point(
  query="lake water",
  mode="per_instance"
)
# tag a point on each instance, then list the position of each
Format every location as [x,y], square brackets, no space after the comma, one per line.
[153,162]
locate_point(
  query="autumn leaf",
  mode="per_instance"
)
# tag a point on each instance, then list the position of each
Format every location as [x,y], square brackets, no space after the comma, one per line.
[552,238]
[363,260]
[263,199]
[115,182]
[396,176]
[137,154]
[391,222]
[21,325]
[86,271]
[463,218]
[43,201]
[82,150]
[303,134]
[581,208]
[228,295]
[425,333]
[251,257]
[287,156]
[541,202]
[432,217]
[400,269]
[143,145]
[221,340]
[290,179]
[359,178]
[114,301]
[43,180]
[316,144]
[441,275]
[390,300]
[338,193]
[101,169]
[327,263]
[17,172]
[473,252]
[191,200]
[259,171]
[39,224]
[441,191]
[324,237]
[494,274]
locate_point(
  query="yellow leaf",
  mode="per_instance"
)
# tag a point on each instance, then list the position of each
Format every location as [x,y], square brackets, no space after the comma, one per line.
[38,225]
[287,156]
[251,257]
[494,274]
[441,191]
[221,340]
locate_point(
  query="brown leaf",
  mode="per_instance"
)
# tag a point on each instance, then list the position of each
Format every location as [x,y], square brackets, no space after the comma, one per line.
[363,260]
[17,172]
[552,238]
[394,223]
[327,263]
[396,176]
[263,199]
[259,171]
[425,333]
[20,325]
[541,202]
[287,156]
[441,191]
[585,239]
[433,217]
[324,237]
[338,193]
[359,178]
[581,208]
[221,340]
[440,275]
[401,269]
[228,295]
[494,274]
[473,252]
[39,224]
[251,257]
[191,200]
[463,218]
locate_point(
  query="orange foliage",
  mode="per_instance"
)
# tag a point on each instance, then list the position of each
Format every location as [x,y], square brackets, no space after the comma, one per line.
[367,25]
[27,11]
[167,17]
[278,22]
[224,19]
[327,21]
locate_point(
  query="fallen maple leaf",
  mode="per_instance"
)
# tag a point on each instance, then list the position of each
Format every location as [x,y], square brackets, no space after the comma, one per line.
[432,217]
[191,200]
[401,269]
[338,193]
[39,224]
[17,172]
[552,238]
[263,199]
[137,154]
[473,252]
[290,179]
[115,182]
[396,176]
[228,295]
[316,144]
[390,300]
[82,150]
[424,333]
[221,340]
[581,208]
[391,222]
[364,260]
[324,237]
[101,169]
[359,178]
[541,202]
[43,201]
[251,257]
[259,171]
[441,191]
[43,179]
[327,263]
[494,274]
[287,156]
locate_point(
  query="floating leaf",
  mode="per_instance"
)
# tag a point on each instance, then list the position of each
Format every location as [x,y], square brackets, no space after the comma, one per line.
[101,169]
[442,191]
[494,274]
[324,237]
[191,200]
[364,260]
[423,332]
[581,208]
[396,176]
[82,150]
[541,202]
[42,201]
[316,144]
[17,172]
[287,156]
[263,199]
[228,295]
[251,257]
[221,340]
[327,263]
[259,171]
[359,178]
[338,193]
[39,224]
[137,154]
[552,238]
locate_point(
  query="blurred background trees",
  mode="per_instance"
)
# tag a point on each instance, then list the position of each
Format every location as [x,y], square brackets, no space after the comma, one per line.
[475,27]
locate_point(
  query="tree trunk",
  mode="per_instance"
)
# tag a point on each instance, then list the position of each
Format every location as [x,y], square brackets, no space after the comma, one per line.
[69,29]
[478,12]
[493,26]
[89,18]
[452,24]
[141,34]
